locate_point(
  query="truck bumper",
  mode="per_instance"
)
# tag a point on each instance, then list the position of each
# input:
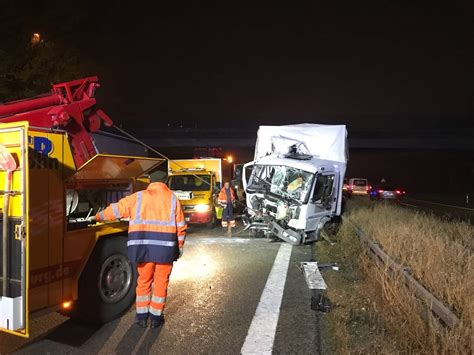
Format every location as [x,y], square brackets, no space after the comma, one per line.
[197,218]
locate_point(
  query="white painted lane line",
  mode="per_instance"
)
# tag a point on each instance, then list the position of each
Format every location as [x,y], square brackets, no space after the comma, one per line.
[222,240]
[261,334]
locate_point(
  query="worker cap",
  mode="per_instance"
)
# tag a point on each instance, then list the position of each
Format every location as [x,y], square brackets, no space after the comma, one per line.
[158,176]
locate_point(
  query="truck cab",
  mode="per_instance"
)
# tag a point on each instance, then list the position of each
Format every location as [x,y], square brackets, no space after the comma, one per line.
[293,191]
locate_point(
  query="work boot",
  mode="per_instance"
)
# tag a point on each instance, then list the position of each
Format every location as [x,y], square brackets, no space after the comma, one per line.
[156,322]
[142,323]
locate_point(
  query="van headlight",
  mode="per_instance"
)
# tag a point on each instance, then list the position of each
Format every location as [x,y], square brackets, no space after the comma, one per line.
[202,208]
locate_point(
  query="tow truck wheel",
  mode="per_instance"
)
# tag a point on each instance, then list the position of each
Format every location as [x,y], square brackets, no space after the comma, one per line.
[107,285]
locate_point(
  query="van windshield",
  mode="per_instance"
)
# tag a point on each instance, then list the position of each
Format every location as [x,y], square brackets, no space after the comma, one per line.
[190,183]
[360,182]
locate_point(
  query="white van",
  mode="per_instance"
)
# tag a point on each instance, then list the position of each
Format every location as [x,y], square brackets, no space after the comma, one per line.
[358,186]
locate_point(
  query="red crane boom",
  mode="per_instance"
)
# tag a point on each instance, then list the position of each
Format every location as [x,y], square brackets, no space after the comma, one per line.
[71,106]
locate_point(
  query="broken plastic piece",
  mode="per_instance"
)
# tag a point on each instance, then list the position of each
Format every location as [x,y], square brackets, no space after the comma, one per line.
[320,303]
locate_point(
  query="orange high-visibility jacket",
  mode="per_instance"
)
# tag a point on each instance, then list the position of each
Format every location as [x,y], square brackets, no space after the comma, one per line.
[222,198]
[156,229]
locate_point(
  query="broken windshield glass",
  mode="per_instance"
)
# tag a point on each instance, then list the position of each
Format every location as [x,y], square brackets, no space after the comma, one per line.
[285,181]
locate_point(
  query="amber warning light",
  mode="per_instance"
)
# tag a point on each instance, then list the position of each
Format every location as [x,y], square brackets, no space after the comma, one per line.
[67,305]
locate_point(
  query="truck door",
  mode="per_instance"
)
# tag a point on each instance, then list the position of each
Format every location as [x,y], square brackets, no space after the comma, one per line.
[14,221]
[323,201]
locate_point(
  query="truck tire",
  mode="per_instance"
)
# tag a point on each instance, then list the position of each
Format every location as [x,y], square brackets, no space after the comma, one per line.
[107,284]
[332,227]
[255,233]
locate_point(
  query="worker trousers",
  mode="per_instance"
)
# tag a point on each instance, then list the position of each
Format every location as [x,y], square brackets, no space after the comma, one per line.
[228,213]
[151,300]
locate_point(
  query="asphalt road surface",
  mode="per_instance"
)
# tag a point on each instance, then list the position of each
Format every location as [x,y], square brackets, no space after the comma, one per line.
[215,305]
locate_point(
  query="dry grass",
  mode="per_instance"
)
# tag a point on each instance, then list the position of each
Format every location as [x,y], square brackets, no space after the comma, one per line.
[439,255]
[354,325]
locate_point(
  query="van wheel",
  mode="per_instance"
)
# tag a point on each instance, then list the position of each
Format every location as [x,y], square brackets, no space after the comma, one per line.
[107,284]
[213,222]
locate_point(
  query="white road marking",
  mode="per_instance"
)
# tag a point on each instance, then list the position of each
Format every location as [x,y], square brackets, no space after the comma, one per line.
[221,240]
[261,334]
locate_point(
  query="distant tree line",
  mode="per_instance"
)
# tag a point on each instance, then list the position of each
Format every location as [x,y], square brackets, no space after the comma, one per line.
[38,47]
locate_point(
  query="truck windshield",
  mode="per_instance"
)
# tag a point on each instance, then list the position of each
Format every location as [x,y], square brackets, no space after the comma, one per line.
[284,181]
[190,182]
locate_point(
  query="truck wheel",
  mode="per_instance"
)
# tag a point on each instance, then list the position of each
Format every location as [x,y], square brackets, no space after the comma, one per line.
[107,284]
[332,227]
[213,222]
[255,233]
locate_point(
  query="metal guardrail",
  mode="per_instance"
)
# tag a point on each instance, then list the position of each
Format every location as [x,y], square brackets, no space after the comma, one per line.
[383,259]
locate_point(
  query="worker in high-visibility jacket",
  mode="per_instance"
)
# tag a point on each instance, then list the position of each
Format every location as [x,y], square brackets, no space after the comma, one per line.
[156,235]
[226,199]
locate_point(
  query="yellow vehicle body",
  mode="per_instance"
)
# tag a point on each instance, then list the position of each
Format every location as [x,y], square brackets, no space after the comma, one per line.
[195,182]
[48,203]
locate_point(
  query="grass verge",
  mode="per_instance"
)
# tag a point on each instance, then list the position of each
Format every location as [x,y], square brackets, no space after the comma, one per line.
[439,255]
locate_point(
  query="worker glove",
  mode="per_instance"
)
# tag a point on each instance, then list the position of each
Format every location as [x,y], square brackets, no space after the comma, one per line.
[97,217]
[181,251]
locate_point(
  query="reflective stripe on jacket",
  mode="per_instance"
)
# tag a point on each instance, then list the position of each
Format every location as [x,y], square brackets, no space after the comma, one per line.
[156,229]
[222,198]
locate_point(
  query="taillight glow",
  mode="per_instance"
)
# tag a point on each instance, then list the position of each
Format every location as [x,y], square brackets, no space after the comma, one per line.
[398,192]
[380,191]
[67,305]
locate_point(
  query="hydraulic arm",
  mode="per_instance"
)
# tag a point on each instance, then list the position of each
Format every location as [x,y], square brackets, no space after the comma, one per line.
[71,107]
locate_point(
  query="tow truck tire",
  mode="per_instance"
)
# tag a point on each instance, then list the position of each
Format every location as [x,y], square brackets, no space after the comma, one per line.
[107,284]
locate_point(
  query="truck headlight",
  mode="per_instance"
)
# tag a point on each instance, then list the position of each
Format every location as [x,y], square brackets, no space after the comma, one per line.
[202,208]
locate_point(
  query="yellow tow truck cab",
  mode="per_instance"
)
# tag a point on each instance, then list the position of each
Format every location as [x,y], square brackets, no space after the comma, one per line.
[196,182]
[54,254]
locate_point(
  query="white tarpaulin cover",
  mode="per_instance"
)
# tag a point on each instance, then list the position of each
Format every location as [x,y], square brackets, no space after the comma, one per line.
[327,142]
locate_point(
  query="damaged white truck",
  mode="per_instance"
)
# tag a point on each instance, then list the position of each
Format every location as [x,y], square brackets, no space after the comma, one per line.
[294,189]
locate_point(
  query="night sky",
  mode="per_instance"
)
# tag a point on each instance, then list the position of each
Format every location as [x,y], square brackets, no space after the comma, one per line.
[389,71]
[373,64]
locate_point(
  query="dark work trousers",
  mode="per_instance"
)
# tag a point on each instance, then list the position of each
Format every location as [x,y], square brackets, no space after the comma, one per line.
[228,213]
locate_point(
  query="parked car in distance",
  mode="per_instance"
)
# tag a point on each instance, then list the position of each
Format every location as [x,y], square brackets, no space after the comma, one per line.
[358,186]
[386,193]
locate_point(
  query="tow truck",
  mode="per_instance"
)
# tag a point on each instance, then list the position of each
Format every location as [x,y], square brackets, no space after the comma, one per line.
[54,255]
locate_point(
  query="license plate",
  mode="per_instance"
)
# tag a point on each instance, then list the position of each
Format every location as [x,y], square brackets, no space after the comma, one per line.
[184,195]
[187,219]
